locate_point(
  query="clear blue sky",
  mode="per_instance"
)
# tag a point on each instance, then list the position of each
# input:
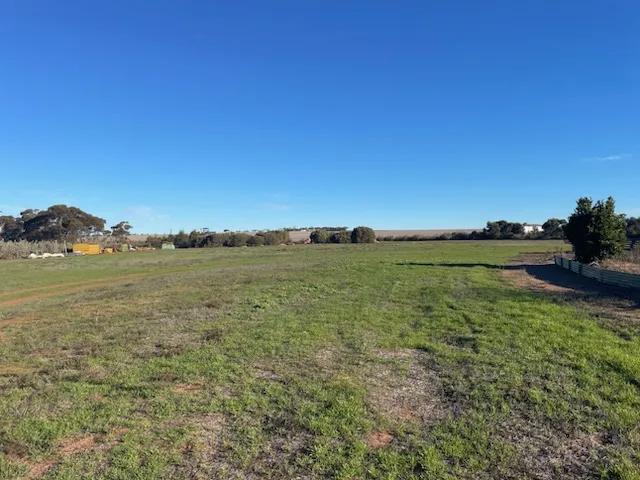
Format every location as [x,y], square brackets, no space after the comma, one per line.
[263,114]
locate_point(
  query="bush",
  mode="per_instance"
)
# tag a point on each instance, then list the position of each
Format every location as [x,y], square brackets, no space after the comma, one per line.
[596,231]
[340,237]
[237,240]
[363,235]
[255,241]
[22,248]
[319,236]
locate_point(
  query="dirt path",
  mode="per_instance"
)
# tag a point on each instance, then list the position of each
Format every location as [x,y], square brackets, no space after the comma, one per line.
[538,273]
[59,289]
[66,284]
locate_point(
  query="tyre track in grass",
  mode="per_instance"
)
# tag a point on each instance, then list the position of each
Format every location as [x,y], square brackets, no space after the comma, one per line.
[63,289]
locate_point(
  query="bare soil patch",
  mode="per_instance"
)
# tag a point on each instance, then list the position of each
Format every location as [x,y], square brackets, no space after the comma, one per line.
[550,454]
[380,439]
[538,273]
[188,387]
[414,395]
[80,444]
[52,290]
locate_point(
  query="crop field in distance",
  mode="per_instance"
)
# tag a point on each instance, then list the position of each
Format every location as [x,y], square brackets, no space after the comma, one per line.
[391,360]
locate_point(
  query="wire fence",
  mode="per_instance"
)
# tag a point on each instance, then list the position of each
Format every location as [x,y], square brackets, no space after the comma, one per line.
[610,277]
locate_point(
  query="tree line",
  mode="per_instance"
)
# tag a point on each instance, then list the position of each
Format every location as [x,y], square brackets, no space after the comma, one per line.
[357,235]
[553,229]
[56,223]
[197,239]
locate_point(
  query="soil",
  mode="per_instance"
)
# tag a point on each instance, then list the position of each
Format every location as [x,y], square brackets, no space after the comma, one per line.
[380,439]
[538,273]
[51,290]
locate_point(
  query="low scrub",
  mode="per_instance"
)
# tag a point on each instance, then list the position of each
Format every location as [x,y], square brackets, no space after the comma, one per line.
[22,249]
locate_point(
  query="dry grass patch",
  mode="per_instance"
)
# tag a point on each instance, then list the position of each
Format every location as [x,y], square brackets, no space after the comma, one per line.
[549,454]
[414,395]
[188,387]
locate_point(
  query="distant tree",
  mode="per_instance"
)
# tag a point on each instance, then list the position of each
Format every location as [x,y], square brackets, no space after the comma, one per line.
[194,239]
[11,228]
[121,229]
[503,230]
[633,227]
[237,240]
[340,237]
[363,235]
[181,240]
[216,239]
[255,241]
[60,222]
[553,228]
[492,230]
[319,236]
[596,231]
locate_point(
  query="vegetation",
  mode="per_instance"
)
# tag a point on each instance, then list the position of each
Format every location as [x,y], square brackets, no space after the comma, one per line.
[389,361]
[363,235]
[633,227]
[319,236]
[340,237]
[596,232]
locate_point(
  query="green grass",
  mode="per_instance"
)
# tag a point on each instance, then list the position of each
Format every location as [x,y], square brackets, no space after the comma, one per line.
[288,362]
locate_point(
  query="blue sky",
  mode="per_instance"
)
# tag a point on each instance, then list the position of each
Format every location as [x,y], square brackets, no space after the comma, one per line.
[255,114]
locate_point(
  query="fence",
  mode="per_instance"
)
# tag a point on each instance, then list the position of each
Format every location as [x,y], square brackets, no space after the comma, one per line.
[609,277]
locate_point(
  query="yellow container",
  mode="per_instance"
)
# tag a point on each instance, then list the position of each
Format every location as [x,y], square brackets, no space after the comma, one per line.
[86,248]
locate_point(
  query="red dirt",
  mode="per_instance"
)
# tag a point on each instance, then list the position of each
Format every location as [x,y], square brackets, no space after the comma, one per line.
[380,439]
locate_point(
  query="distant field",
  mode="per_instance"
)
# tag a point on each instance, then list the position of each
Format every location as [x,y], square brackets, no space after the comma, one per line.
[392,360]
[304,234]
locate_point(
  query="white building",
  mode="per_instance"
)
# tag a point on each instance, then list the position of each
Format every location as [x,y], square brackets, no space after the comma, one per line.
[532,228]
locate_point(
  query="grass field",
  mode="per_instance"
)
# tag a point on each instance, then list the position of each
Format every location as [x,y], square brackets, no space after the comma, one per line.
[392,360]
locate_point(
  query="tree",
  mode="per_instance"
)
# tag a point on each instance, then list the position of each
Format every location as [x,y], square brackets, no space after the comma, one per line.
[340,237]
[60,222]
[121,229]
[11,228]
[363,235]
[633,227]
[596,231]
[194,239]
[319,236]
[255,241]
[553,228]
[237,240]
[181,240]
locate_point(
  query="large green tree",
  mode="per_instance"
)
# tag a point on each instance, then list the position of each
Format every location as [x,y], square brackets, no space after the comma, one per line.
[596,231]
[60,222]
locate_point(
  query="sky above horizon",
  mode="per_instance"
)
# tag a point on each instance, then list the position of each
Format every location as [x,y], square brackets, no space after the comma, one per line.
[252,115]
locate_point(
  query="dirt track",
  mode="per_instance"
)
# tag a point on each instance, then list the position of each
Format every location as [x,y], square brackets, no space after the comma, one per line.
[62,289]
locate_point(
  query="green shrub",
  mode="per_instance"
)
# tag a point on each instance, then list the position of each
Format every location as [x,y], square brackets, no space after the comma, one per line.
[255,241]
[363,235]
[319,236]
[340,237]
[596,231]
[270,238]
[237,240]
